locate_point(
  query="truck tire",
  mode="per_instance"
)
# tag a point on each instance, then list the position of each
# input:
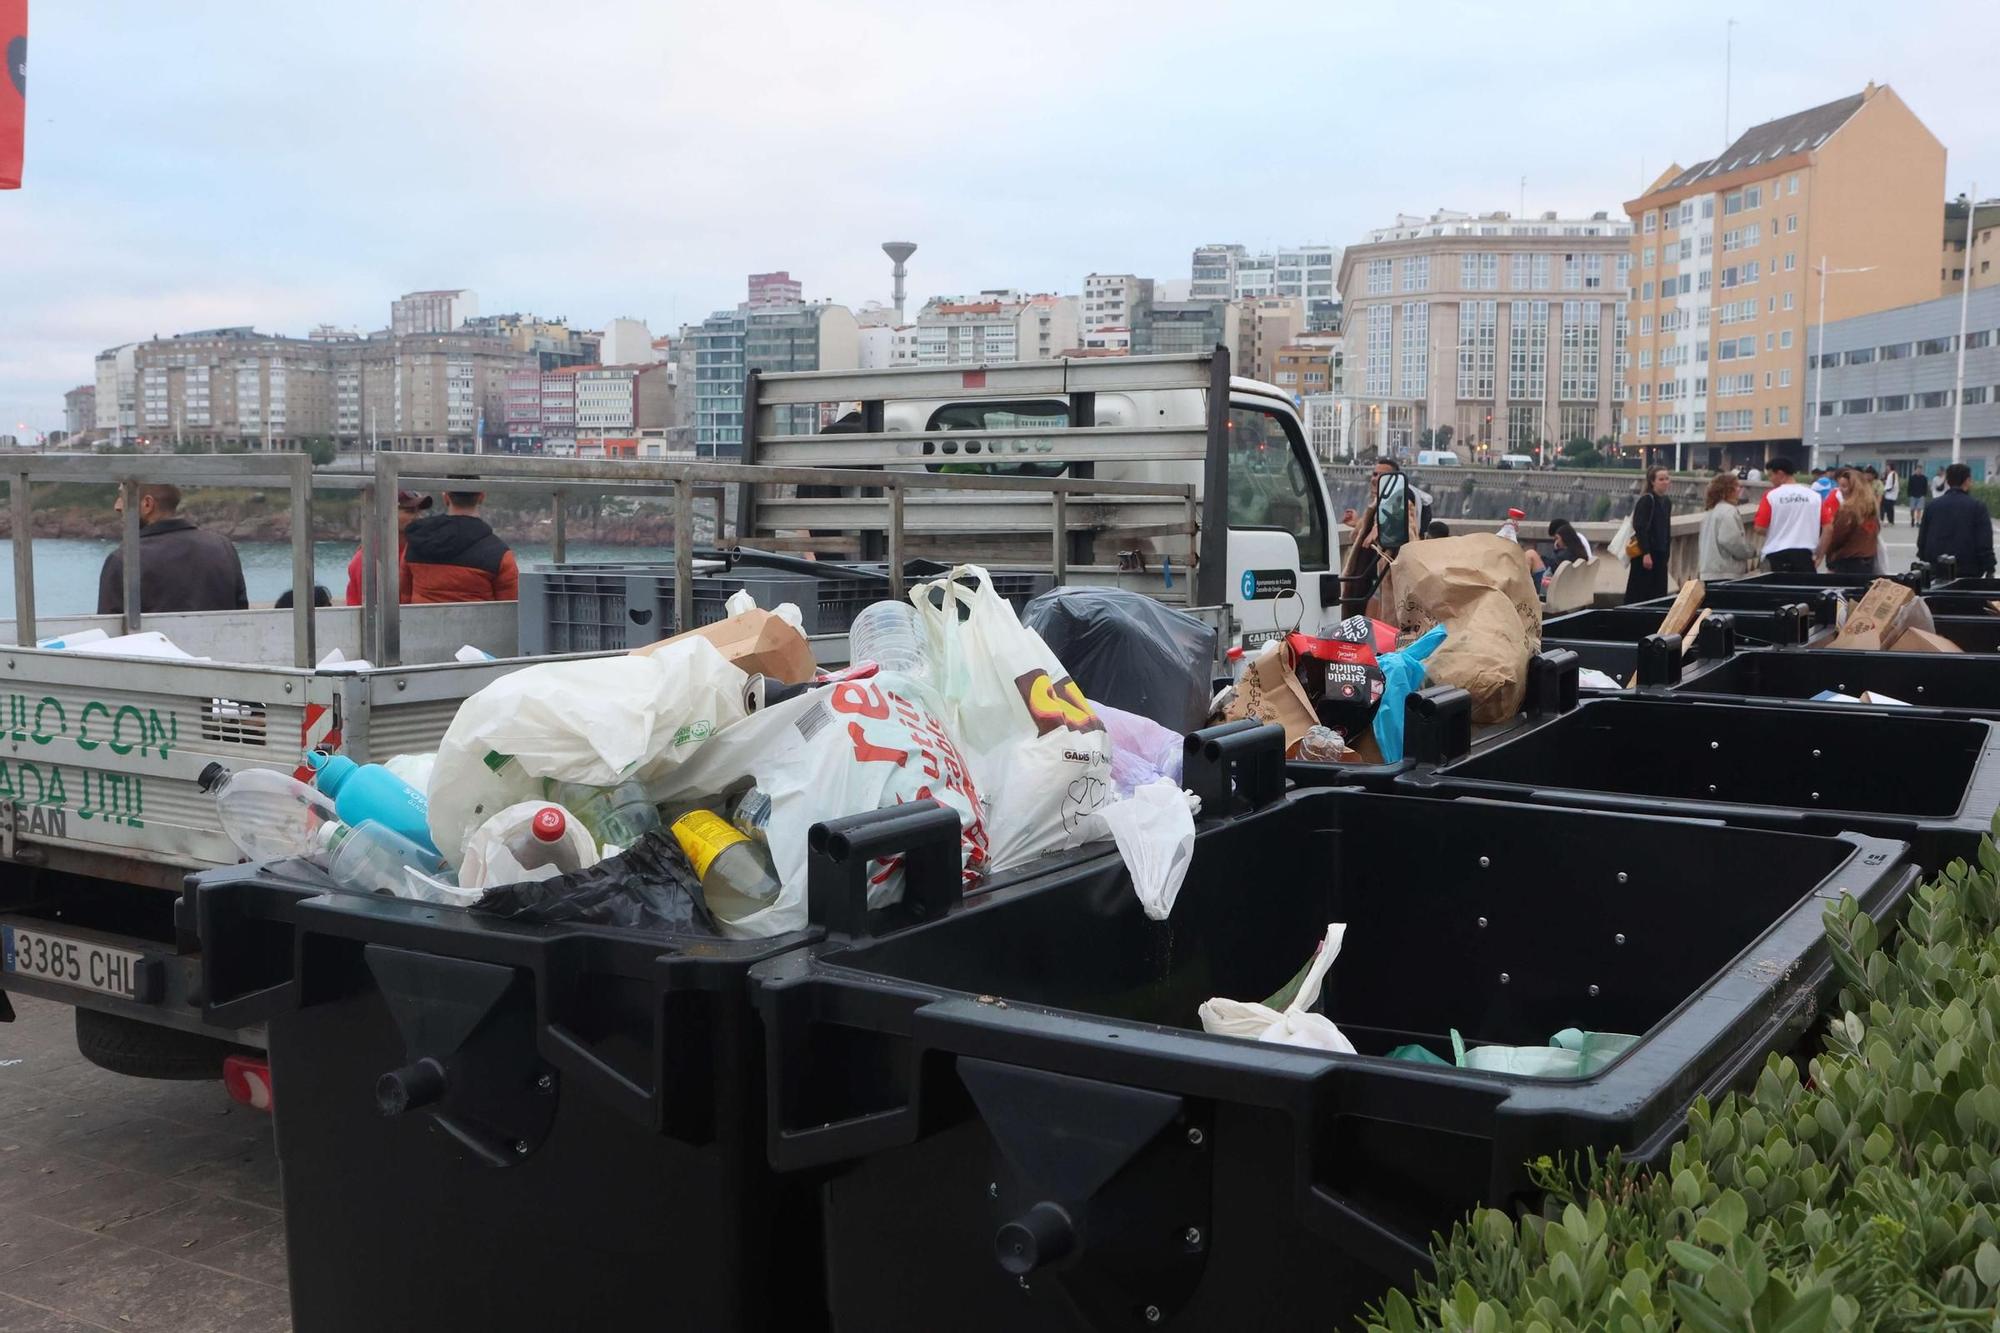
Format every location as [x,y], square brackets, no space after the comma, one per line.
[143,1050]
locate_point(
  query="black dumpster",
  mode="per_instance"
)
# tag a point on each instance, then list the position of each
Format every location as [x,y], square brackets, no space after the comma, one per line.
[1629,624]
[1743,596]
[1918,577]
[1970,584]
[1962,684]
[1958,601]
[1975,634]
[1031,1131]
[1931,780]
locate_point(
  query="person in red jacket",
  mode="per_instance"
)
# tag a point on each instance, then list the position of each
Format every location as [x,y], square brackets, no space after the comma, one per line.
[408,506]
[454,556]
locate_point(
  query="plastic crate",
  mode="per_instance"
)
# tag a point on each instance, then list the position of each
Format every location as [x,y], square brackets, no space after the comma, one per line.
[614,608]
[1021,1120]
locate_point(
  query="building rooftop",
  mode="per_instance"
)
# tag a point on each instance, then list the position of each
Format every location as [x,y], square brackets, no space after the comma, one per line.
[1452,222]
[1800,132]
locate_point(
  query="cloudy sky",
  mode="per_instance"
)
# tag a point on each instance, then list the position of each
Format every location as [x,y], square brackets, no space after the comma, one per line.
[282,163]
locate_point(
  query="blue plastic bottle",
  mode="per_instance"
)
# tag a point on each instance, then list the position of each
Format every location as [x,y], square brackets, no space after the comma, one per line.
[364,792]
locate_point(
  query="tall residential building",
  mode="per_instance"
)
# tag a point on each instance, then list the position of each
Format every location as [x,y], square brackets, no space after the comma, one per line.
[551,342]
[1265,324]
[718,384]
[885,345]
[80,410]
[523,411]
[998,325]
[1311,273]
[1104,317]
[627,342]
[232,387]
[1985,232]
[117,403]
[1504,330]
[1724,255]
[559,404]
[779,288]
[1214,277]
[1161,327]
[1301,371]
[431,392]
[730,343]
[1233,273]
[622,400]
[431,312]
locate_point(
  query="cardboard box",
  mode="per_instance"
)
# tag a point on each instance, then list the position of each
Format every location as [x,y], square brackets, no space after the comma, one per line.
[1923,641]
[756,641]
[1879,618]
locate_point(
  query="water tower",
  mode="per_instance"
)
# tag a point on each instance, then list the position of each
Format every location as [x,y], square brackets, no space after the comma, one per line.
[899,251]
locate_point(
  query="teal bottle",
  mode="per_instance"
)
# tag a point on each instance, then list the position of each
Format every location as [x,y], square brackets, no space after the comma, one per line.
[365,792]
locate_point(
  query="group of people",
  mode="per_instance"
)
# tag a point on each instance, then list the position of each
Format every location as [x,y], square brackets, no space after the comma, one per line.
[1398,512]
[453,556]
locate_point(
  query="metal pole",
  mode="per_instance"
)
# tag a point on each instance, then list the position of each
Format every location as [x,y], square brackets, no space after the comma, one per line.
[388,646]
[1059,552]
[895,492]
[1819,364]
[129,546]
[1964,302]
[559,545]
[371,556]
[302,562]
[24,559]
[683,555]
[1211,557]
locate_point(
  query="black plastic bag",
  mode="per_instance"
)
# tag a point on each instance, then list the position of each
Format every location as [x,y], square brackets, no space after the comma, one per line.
[1129,651]
[648,886]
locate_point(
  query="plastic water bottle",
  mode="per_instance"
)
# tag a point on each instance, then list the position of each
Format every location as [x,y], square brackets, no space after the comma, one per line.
[750,813]
[616,816]
[544,841]
[736,873]
[267,814]
[372,858]
[365,793]
[887,634]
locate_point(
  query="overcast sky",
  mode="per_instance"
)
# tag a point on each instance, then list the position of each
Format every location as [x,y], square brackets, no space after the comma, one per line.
[278,163]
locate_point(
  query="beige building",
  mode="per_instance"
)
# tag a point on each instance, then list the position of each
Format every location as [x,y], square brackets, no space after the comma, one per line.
[1265,324]
[432,312]
[1985,271]
[1723,259]
[996,326]
[1501,329]
[231,388]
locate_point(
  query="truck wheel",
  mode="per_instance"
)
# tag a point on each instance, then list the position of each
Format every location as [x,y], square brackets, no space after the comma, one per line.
[142,1050]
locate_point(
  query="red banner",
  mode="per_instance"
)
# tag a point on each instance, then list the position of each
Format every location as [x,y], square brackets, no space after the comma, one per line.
[13,90]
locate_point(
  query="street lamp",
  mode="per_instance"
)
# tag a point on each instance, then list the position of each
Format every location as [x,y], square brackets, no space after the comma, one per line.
[1819,370]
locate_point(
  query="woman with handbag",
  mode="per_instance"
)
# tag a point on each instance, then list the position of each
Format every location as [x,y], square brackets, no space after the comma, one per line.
[1652,539]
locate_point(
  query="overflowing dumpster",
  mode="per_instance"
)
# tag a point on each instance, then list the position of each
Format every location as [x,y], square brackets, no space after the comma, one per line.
[1025,1126]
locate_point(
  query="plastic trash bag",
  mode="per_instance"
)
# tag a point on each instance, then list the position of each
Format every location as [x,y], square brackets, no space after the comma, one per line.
[649,886]
[1402,676]
[1154,830]
[1142,750]
[1128,650]
[414,769]
[596,722]
[843,749]
[1571,1053]
[1039,752]
[1295,1024]
[488,862]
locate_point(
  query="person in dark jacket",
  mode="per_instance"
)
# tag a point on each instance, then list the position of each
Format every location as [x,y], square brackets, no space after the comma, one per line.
[454,556]
[1957,524]
[181,567]
[1652,528]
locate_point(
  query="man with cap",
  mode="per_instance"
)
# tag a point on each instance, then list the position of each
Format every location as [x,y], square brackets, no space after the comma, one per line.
[409,507]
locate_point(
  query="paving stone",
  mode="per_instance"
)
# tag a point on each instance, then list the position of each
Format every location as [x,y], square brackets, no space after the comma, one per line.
[124,1286]
[194,1226]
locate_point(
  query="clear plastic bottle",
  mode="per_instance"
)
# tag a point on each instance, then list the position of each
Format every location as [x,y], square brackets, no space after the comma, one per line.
[372,858]
[544,841]
[887,634]
[362,792]
[267,814]
[750,813]
[736,873]
[616,816]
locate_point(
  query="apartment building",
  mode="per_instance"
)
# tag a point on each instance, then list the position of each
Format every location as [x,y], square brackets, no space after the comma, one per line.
[998,325]
[627,342]
[779,288]
[80,410]
[1503,330]
[432,312]
[621,401]
[885,345]
[1161,327]
[1984,231]
[117,403]
[522,413]
[786,337]
[558,404]
[1725,288]
[231,388]
[1301,370]
[1886,389]
[551,342]
[1234,273]
[1104,317]
[1265,324]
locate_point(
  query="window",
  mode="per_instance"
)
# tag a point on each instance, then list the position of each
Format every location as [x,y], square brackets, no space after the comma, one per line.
[1417,273]
[1703,280]
[1753,197]
[1489,272]
[1732,203]
[1478,322]
[1767,379]
[1732,240]
[1707,244]
[1645,324]
[1648,258]
[1792,183]
[1935,398]
[1528,350]
[1937,346]
[1645,392]
[1266,493]
[1975,341]
[1646,358]
[1975,394]
[1380,339]
[1857,407]
[1686,250]
[1750,272]
[1583,272]
[1687,212]
[1651,222]
[1531,273]
[1787,302]
[1784,415]
[1895,351]
[1770,342]
[1893,402]
[1580,347]
[1524,427]
[1416,349]
[1784,379]
[1708,206]
[1860,356]
[1645,291]
[1378,276]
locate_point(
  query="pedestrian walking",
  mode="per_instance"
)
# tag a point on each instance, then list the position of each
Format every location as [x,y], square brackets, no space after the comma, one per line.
[1920,494]
[1789,518]
[181,567]
[1652,535]
[1890,483]
[1849,543]
[1958,525]
[1726,551]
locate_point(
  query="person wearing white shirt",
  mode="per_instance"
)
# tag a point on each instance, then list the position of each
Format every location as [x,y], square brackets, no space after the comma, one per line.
[1788,516]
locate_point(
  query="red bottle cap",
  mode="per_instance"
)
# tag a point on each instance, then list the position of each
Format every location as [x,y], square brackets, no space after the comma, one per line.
[549,824]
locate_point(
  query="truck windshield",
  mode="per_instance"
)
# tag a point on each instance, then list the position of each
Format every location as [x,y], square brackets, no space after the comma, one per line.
[1269,486]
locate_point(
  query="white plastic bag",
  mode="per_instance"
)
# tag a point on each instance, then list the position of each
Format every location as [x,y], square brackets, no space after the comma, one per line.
[1621,539]
[843,750]
[414,769]
[595,722]
[1142,750]
[1039,752]
[1154,830]
[488,862]
[1296,1024]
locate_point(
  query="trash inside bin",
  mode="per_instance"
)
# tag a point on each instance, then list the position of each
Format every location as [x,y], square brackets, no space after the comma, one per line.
[1629,624]
[1931,780]
[1962,684]
[1028,1130]
[1128,650]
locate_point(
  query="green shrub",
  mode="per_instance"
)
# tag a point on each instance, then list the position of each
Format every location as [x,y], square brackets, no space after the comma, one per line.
[1989,492]
[1865,1197]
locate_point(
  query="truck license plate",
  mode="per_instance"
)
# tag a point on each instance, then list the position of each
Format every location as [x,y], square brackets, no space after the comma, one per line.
[34,953]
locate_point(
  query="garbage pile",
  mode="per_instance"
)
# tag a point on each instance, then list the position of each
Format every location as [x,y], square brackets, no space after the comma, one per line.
[673,788]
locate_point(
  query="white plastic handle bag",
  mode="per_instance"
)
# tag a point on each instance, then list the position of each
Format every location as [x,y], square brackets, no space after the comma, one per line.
[1296,1024]
[1154,830]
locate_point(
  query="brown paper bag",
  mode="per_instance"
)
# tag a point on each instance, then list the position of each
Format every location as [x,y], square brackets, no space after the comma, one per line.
[1479,589]
[756,641]
[1270,692]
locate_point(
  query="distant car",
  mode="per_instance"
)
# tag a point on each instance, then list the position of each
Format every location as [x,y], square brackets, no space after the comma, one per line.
[1436,458]
[1515,461]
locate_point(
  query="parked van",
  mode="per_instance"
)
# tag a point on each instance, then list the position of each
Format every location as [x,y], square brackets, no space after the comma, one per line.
[1436,458]
[1516,462]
